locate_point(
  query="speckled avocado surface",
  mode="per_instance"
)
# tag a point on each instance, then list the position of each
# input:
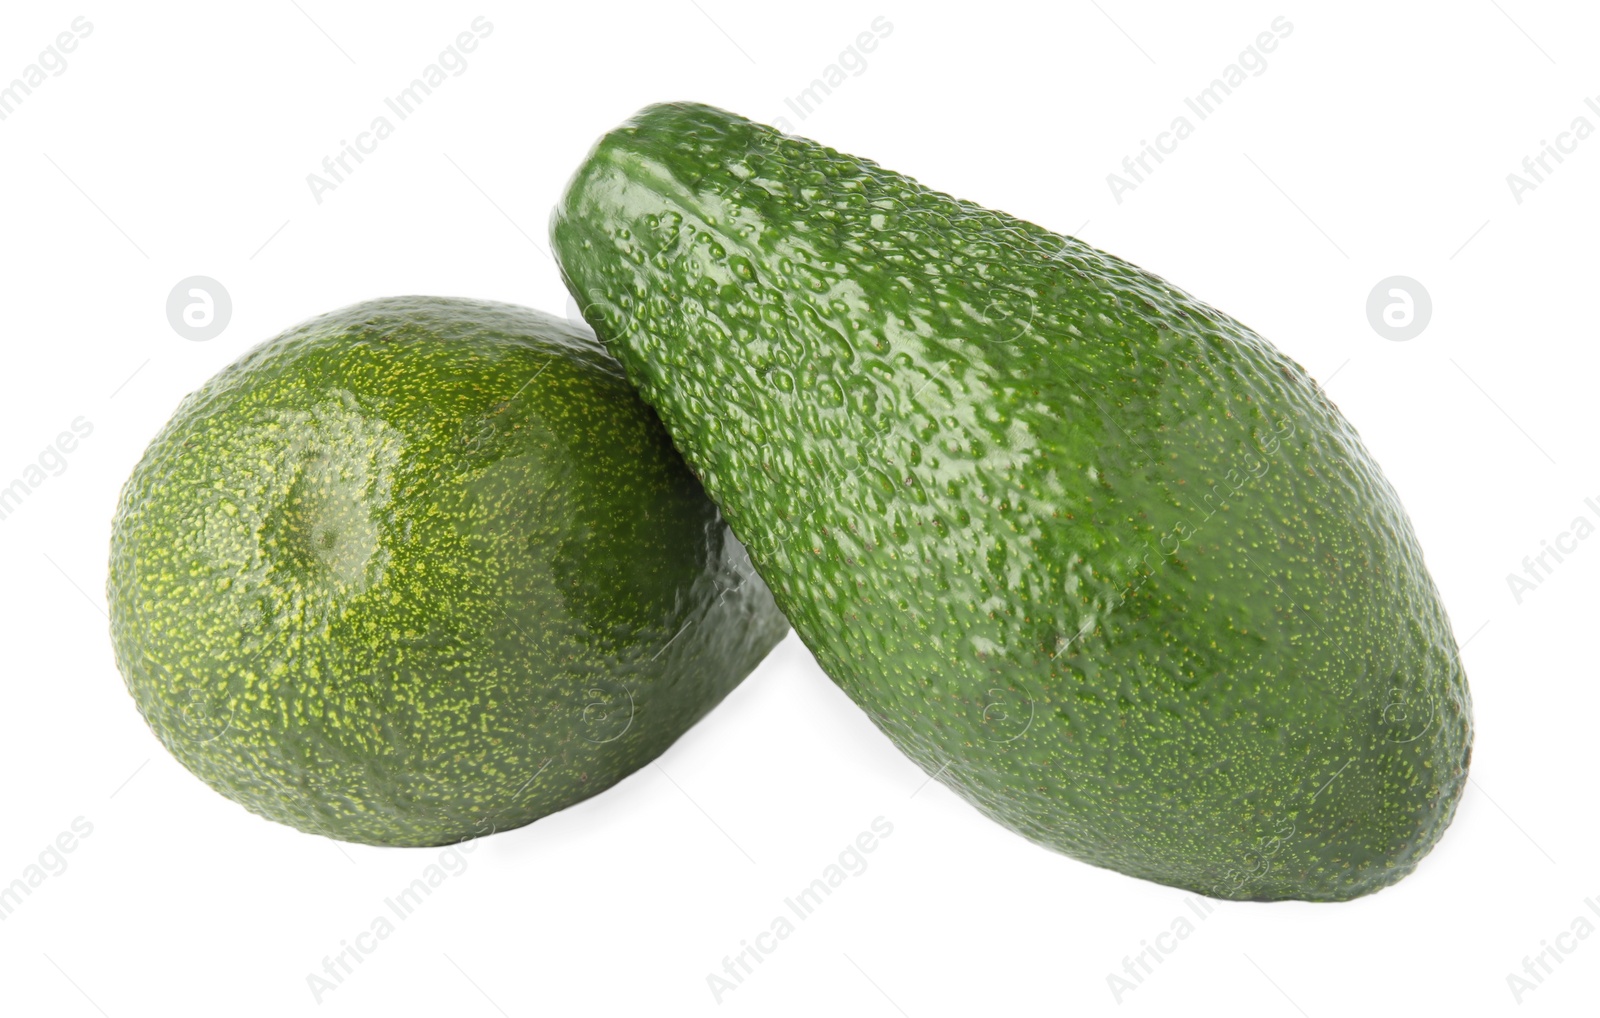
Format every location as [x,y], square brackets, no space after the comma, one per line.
[1092,553]
[422,569]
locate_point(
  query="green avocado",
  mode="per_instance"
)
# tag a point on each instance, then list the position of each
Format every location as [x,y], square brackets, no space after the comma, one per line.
[1092,553]
[422,569]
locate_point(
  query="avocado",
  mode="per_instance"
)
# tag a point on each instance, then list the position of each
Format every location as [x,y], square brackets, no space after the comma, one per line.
[1094,554]
[423,569]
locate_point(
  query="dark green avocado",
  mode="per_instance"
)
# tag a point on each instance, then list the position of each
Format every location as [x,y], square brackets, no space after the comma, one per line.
[1091,552]
[423,569]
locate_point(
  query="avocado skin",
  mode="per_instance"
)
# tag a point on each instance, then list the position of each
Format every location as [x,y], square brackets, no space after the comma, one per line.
[422,569]
[1094,554]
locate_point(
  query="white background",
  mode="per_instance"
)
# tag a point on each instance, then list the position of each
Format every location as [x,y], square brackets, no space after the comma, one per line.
[1376,142]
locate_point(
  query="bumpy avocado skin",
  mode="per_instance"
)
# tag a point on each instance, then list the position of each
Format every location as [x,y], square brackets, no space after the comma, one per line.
[1096,555]
[422,569]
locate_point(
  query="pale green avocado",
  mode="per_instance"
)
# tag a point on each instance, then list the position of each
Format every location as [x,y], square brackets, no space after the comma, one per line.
[423,569]
[1091,552]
